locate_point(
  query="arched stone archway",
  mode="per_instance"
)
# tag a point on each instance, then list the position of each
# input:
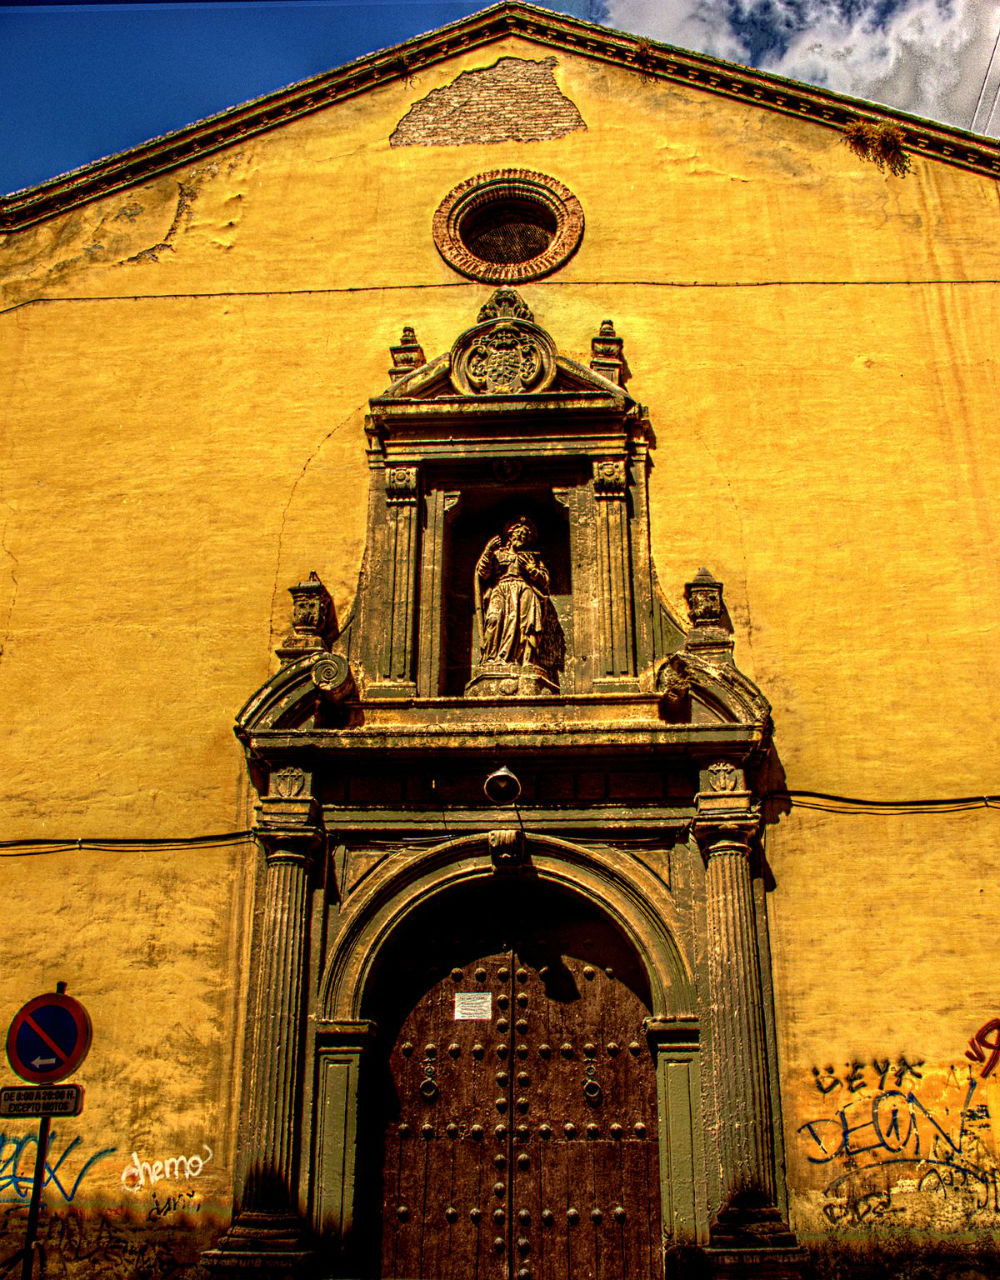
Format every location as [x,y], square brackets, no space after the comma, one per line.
[438,884]
[514,1097]
[629,892]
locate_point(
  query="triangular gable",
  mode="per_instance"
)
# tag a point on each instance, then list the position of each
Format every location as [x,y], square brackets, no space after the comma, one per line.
[510,18]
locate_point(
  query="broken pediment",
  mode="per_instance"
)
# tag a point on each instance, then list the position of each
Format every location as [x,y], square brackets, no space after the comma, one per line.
[508,576]
[504,354]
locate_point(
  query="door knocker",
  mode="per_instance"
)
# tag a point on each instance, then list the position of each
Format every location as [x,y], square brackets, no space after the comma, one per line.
[592,1091]
[428,1086]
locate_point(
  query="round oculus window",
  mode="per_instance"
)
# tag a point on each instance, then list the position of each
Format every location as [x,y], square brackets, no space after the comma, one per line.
[507,226]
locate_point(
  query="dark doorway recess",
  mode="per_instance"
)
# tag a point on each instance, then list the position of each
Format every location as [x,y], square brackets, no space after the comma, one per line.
[520,1144]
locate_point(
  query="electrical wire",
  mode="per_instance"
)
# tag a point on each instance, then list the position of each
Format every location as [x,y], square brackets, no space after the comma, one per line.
[982,91]
[825,802]
[124,844]
[820,801]
[993,107]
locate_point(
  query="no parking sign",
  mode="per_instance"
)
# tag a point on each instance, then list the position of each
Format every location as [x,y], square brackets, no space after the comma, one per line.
[48,1038]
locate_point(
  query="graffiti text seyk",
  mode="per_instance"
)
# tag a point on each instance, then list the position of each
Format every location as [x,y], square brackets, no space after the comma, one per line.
[894,1125]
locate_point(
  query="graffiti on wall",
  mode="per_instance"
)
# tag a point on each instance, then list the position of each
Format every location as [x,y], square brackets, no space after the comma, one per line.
[899,1143]
[986,1038]
[66,1166]
[158,1238]
[140,1173]
[112,1244]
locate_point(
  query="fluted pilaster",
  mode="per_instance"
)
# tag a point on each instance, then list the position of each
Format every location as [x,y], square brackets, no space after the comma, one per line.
[737,1013]
[277,1034]
[267,1236]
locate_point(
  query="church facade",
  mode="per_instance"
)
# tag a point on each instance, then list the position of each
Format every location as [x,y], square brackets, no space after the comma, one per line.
[565,463]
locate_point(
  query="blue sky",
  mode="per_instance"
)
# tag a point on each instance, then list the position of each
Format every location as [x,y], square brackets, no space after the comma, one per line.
[81,81]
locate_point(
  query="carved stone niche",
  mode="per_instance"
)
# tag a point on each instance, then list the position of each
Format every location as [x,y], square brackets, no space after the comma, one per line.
[509,549]
[508,628]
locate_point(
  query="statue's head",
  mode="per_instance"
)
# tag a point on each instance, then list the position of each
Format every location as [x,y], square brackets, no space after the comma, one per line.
[520,532]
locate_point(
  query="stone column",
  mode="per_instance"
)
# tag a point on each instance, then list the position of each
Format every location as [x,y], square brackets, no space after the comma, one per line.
[737,1013]
[748,1233]
[268,1235]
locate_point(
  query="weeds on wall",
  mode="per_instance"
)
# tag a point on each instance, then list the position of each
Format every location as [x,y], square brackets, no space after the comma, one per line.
[881,143]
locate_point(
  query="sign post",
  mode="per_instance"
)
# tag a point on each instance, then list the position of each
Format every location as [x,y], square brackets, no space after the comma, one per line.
[47,1040]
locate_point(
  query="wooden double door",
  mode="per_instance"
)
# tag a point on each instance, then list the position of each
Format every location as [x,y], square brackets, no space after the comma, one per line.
[518,1104]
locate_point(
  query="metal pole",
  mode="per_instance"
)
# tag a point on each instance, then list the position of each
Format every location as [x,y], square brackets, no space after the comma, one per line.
[27,1262]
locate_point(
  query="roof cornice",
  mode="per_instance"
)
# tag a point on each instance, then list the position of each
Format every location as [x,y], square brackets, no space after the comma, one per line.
[511,17]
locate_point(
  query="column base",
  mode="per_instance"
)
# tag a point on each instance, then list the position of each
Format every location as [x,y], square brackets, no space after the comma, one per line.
[756,1264]
[264,1246]
[750,1238]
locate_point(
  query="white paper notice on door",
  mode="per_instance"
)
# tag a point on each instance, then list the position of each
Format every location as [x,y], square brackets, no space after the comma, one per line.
[473,1006]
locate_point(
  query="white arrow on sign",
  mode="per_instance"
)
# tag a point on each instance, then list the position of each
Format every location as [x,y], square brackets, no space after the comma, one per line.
[43,1062]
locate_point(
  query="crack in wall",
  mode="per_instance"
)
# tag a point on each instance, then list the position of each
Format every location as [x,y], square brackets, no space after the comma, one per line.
[186,196]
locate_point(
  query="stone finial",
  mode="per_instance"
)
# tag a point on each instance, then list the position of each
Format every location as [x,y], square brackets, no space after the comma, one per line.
[505,304]
[407,355]
[704,600]
[606,355]
[313,619]
[710,633]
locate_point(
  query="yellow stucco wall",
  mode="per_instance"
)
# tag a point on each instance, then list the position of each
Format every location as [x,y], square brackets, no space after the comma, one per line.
[186,368]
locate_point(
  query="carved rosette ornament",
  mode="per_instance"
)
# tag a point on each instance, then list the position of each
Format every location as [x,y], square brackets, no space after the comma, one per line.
[609,479]
[401,484]
[506,353]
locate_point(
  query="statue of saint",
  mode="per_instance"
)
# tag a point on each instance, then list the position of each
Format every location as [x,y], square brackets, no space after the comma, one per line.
[512,596]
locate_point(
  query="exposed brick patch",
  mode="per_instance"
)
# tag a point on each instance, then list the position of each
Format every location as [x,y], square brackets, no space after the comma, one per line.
[515,100]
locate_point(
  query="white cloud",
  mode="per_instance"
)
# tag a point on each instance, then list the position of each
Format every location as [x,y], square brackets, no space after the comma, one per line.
[928,57]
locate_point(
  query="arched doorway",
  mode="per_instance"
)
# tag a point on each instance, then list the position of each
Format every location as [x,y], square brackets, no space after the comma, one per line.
[515,1105]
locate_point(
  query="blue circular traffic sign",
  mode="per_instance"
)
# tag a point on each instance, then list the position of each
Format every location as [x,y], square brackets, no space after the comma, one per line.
[48,1038]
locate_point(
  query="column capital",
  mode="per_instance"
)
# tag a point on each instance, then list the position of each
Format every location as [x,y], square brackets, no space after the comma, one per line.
[401,484]
[610,479]
[334,1036]
[288,829]
[725,835]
